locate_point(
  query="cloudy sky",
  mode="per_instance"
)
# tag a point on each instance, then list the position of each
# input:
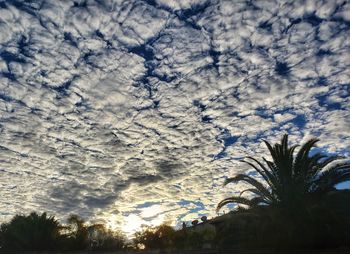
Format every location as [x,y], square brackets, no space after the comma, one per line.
[135,112]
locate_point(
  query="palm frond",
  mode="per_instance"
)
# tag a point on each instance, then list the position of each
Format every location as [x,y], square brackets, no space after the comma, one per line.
[271,150]
[252,190]
[252,181]
[268,176]
[258,201]
[329,160]
[261,171]
[290,178]
[302,154]
[230,200]
[332,176]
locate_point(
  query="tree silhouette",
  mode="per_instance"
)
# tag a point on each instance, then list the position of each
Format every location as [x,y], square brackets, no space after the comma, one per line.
[44,233]
[30,233]
[159,237]
[78,232]
[289,180]
[103,239]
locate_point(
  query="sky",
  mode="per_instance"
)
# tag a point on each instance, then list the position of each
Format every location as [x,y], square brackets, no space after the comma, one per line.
[135,112]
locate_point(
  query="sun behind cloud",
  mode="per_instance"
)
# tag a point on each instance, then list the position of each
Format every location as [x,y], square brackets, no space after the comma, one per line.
[105,105]
[147,216]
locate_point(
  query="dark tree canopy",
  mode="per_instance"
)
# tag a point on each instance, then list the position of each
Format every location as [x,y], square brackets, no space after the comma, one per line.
[32,232]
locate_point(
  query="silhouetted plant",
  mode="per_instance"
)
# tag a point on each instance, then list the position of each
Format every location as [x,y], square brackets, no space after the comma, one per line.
[290,180]
[101,238]
[43,233]
[293,199]
[78,233]
[159,237]
[30,233]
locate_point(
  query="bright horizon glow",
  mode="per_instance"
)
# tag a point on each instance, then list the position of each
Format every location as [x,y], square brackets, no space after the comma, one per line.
[150,216]
[132,224]
[135,112]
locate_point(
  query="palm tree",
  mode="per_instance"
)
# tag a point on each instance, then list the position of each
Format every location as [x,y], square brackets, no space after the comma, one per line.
[288,180]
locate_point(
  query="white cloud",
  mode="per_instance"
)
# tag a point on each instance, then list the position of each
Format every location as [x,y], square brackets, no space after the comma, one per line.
[109,106]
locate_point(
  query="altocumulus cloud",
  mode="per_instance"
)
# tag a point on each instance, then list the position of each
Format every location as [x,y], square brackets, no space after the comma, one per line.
[110,108]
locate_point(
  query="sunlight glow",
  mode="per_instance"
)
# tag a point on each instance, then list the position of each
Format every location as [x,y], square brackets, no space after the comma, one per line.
[132,224]
[150,216]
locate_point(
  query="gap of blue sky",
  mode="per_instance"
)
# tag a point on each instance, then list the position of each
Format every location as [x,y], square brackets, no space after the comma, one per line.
[110,107]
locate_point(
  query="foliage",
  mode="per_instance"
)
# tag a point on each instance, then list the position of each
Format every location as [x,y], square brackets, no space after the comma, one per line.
[92,237]
[289,180]
[159,237]
[77,233]
[29,233]
[166,237]
[43,233]
[322,224]
[294,204]
[101,238]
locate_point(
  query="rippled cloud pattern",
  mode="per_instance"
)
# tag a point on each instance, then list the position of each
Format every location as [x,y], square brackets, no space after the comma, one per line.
[138,110]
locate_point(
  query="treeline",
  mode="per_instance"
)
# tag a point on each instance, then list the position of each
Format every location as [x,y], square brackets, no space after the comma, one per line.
[35,232]
[165,237]
[322,224]
[42,233]
[293,204]
[318,224]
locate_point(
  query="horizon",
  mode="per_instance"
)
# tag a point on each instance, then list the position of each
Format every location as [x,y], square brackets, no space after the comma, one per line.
[136,112]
